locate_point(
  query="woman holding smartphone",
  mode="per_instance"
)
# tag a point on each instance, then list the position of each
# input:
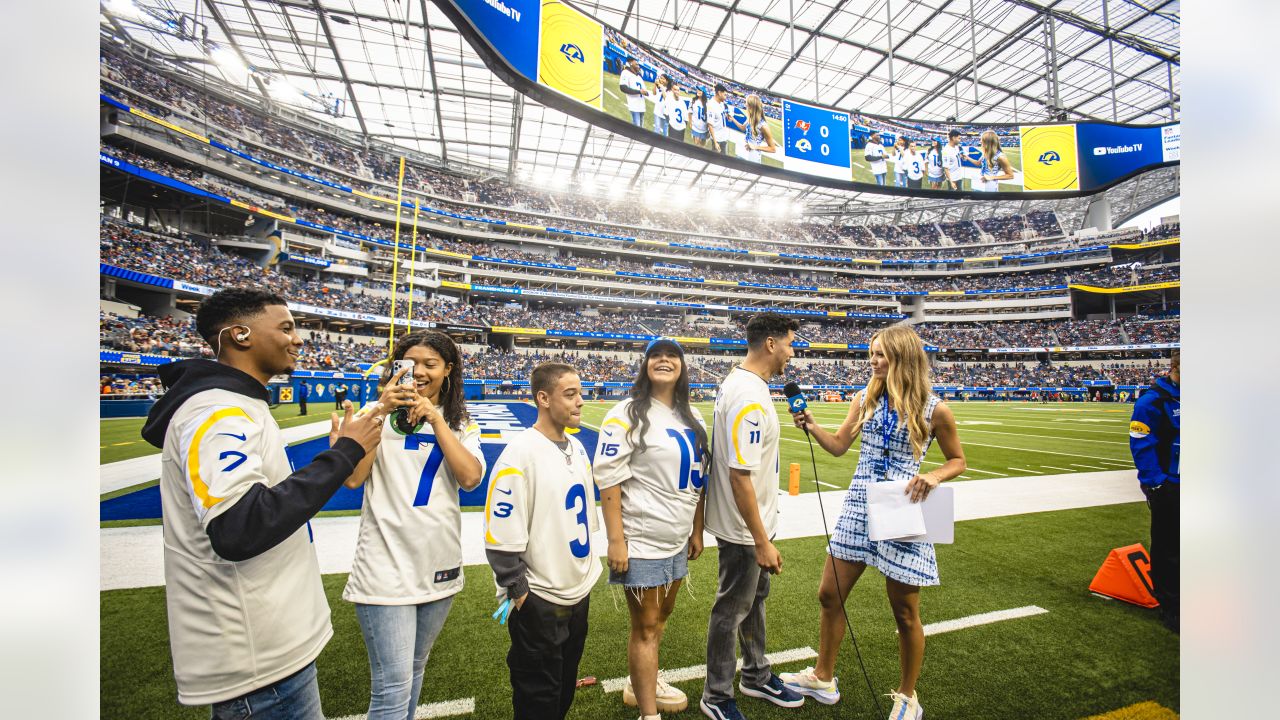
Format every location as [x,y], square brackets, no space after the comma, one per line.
[898,416]
[408,562]
[649,470]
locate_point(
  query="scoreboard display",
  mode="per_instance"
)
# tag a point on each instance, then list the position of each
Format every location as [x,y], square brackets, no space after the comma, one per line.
[815,140]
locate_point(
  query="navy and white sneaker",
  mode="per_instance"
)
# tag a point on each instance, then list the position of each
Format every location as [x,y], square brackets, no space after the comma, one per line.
[726,710]
[775,691]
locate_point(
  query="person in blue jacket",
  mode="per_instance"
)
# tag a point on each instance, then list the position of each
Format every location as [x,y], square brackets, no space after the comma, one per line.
[1154,432]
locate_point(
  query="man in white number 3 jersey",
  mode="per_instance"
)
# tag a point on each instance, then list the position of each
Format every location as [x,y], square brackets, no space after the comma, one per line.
[539,517]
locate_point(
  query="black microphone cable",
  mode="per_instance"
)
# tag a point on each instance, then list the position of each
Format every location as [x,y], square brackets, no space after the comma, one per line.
[813,460]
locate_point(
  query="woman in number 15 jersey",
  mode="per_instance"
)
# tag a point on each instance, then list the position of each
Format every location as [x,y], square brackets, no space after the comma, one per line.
[408,562]
[649,470]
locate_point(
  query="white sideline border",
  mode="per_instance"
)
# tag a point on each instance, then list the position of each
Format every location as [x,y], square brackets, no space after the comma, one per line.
[693,672]
[448,708]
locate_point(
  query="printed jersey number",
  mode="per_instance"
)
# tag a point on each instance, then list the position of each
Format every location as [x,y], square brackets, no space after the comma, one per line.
[690,455]
[753,437]
[609,449]
[679,116]
[434,458]
[576,501]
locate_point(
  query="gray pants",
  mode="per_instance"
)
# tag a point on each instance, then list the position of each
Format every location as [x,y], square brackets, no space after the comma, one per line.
[738,610]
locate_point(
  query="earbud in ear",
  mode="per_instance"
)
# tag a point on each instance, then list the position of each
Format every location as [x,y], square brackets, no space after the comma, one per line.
[243,336]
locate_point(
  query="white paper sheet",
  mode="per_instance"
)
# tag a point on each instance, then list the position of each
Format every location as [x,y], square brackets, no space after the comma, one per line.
[892,516]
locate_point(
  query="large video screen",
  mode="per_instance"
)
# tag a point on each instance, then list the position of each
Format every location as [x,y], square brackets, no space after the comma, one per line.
[568,60]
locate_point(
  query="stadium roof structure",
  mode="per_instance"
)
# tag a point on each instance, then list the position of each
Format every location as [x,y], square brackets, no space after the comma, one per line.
[398,71]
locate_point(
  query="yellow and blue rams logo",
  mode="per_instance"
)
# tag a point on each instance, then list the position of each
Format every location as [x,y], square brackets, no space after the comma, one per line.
[1138,430]
[571,54]
[1054,148]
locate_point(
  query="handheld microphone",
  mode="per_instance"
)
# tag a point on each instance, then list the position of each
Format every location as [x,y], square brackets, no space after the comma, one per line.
[795,400]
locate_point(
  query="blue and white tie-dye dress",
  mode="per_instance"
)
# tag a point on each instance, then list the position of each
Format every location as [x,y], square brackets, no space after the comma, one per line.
[908,563]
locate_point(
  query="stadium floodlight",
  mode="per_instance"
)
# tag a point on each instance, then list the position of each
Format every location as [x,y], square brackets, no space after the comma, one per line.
[653,193]
[285,92]
[230,63]
[714,203]
[124,9]
[680,199]
[556,181]
[587,185]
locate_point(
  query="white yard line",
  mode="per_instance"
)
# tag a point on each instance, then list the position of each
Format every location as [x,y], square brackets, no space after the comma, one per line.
[1091,467]
[448,708]
[693,672]
[947,626]
[988,472]
[1049,452]
[1036,472]
[1055,467]
[1042,437]
[827,484]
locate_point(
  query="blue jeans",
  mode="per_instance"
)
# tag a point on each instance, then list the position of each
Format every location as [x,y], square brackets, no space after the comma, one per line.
[899,179]
[399,639]
[296,697]
[660,125]
[637,118]
[880,179]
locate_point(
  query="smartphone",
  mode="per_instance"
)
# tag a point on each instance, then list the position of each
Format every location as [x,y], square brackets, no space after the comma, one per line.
[398,365]
[401,416]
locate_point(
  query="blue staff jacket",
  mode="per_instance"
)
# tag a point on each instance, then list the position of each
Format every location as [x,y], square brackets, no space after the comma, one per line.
[1154,433]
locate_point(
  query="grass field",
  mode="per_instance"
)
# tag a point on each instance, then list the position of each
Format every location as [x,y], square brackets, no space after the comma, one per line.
[615,103]
[1000,439]
[1085,656]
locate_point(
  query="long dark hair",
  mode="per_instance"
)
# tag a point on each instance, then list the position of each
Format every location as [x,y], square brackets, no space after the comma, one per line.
[452,403]
[642,399]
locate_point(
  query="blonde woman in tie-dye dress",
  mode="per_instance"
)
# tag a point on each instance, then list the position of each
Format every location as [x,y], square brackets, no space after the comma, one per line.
[898,417]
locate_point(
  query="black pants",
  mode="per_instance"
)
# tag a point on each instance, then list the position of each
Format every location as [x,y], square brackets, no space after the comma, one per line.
[1165,575]
[302,406]
[546,647]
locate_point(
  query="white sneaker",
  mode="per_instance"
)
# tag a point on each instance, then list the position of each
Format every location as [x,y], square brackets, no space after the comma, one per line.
[806,682]
[905,708]
[670,699]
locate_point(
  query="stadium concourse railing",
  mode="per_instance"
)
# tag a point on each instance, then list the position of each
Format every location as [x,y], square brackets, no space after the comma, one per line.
[411,205]
[148,279]
[106,99]
[158,178]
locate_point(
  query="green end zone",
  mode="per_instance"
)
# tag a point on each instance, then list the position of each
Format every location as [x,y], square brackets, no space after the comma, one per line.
[1086,656]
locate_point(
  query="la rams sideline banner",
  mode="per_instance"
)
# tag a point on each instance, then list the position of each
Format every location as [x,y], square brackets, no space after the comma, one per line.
[566,59]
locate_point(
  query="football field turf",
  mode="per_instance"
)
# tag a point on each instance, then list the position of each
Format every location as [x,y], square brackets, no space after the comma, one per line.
[1011,439]
[1082,657]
